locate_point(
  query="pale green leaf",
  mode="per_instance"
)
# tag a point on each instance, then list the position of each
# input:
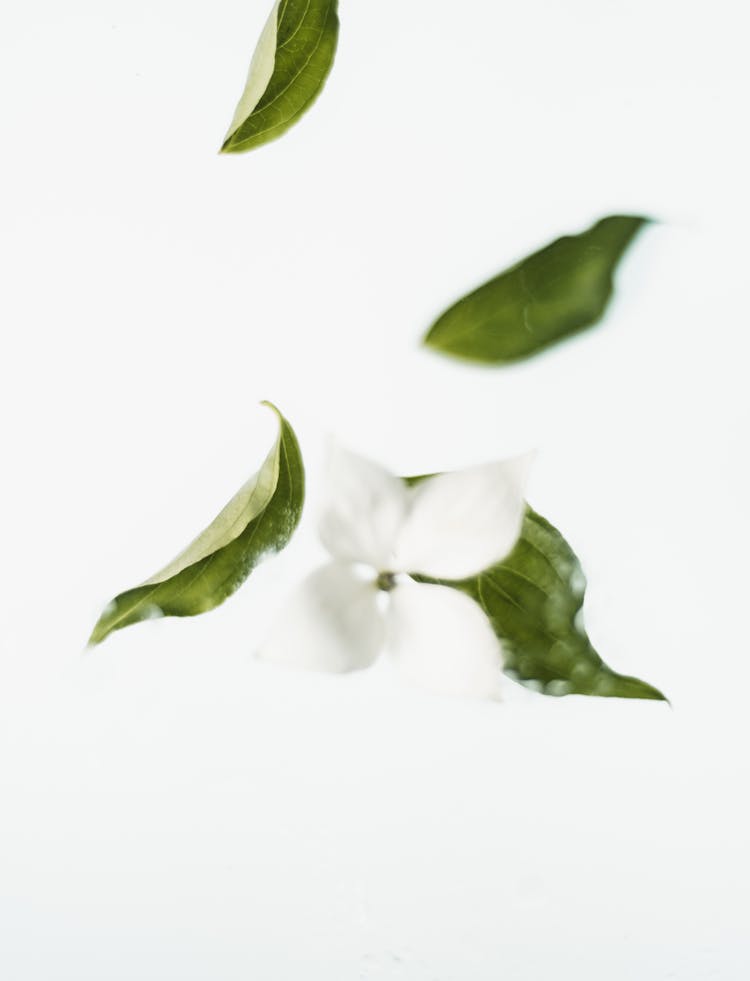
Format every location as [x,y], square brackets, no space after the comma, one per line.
[259,520]
[552,294]
[287,72]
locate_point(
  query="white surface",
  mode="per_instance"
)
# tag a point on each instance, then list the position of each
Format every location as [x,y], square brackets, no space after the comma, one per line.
[173,810]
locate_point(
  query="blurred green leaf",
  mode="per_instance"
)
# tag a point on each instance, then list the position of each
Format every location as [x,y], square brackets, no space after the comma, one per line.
[259,520]
[541,300]
[290,64]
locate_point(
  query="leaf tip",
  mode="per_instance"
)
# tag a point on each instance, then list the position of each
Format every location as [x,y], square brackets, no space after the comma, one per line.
[435,341]
[273,408]
[659,696]
[628,225]
[621,216]
[629,687]
[103,626]
[642,689]
[645,221]
[228,146]
[97,636]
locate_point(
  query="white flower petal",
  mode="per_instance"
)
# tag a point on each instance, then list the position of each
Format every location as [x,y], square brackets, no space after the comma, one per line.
[443,641]
[332,623]
[461,523]
[365,508]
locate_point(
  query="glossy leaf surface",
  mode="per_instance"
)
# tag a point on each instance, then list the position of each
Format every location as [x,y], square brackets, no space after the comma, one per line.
[259,520]
[534,600]
[289,67]
[552,294]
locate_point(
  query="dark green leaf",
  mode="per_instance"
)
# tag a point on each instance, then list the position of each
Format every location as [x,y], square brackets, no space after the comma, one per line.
[534,601]
[541,300]
[260,519]
[291,62]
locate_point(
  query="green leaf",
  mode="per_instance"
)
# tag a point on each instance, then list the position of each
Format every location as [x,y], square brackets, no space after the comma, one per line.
[534,600]
[259,520]
[290,64]
[541,300]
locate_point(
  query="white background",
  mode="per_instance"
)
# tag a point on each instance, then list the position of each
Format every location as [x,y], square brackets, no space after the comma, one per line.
[173,810]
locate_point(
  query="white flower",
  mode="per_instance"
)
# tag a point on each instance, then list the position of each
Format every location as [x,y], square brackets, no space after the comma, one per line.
[377,531]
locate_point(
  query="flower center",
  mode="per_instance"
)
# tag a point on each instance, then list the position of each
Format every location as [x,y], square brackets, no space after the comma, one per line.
[385,581]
